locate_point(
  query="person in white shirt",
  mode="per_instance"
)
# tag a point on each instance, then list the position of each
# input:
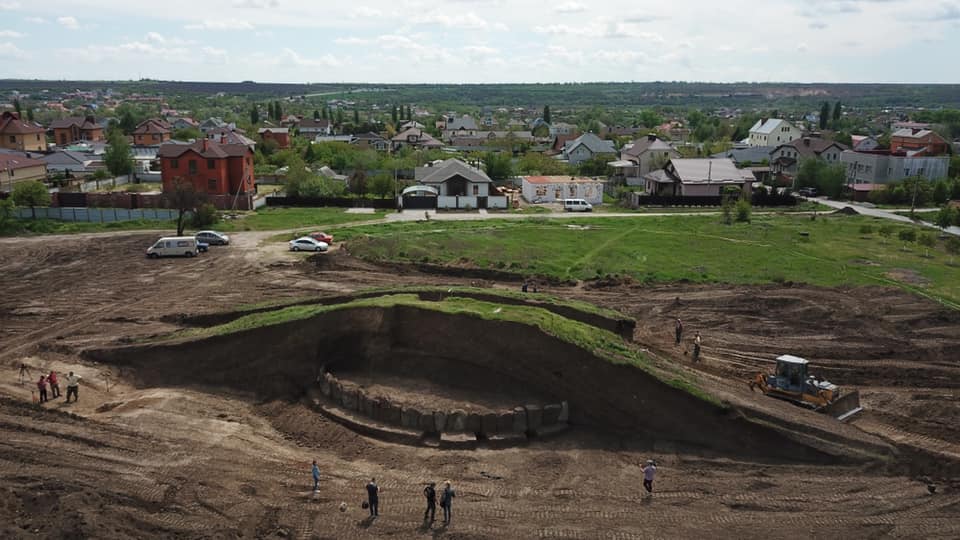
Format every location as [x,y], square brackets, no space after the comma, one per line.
[649,472]
[73,386]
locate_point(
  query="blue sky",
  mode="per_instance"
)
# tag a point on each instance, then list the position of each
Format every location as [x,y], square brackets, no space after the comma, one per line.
[482,40]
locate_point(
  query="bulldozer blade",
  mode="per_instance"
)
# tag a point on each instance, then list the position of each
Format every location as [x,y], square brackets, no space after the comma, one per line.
[845,407]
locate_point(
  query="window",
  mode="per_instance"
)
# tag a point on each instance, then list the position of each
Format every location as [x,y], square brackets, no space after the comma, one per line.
[181,243]
[192,166]
[212,184]
[573,190]
[174,163]
[156,137]
[476,189]
[211,164]
[13,138]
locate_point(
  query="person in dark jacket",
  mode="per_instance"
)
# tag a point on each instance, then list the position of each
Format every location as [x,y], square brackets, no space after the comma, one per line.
[446,502]
[54,384]
[373,497]
[430,492]
[679,331]
[42,388]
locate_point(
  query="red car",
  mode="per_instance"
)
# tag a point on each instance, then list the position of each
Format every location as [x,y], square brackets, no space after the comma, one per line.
[322,237]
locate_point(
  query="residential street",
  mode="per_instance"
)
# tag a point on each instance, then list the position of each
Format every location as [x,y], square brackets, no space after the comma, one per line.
[885,214]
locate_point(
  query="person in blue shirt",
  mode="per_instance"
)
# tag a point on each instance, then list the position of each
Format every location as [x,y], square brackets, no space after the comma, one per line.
[373,497]
[316,476]
[446,502]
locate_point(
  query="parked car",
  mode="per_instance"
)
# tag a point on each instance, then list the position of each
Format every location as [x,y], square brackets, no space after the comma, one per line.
[212,238]
[807,191]
[322,236]
[174,246]
[306,243]
[577,205]
[203,247]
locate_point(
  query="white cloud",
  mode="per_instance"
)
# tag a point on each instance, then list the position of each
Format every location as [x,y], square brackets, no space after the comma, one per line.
[68,22]
[571,7]
[10,34]
[461,21]
[362,12]
[480,50]
[11,52]
[35,20]
[289,56]
[220,24]
[351,41]
[154,36]
[256,4]
[9,6]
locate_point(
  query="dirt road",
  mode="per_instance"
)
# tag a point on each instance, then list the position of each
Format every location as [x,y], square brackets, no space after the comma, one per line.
[128,462]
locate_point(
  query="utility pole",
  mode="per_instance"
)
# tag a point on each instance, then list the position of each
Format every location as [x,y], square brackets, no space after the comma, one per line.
[913,201]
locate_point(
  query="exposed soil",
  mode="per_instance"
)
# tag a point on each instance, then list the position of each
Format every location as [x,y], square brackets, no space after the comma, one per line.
[189,454]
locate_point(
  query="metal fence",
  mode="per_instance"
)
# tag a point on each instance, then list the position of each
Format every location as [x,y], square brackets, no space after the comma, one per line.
[343,202]
[98,215]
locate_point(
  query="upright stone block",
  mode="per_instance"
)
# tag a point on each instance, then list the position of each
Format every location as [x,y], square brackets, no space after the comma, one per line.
[457,421]
[564,412]
[410,418]
[551,414]
[488,424]
[474,422]
[505,422]
[519,420]
[439,421]
[534,417]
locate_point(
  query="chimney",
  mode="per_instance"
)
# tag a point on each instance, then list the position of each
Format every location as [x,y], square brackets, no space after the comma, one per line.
[223,138]
[90,119]
[651,137]
[205,141]
[806,141]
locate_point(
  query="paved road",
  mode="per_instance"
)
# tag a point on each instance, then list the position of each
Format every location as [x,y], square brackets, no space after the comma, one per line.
[885,214]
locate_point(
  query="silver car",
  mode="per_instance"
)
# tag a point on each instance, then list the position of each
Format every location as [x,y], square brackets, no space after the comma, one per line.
[213,238]
[305,243]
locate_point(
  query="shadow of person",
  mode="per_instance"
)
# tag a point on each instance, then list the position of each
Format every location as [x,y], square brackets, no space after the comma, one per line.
[366,522]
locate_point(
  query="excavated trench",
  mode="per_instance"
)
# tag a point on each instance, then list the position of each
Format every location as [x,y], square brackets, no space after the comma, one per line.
[415,357]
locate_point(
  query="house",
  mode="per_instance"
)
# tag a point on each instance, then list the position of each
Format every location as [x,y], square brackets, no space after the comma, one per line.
[416,138]
[558,143]
[213,123]
[227,135]
[562,128]
[920,142]
[772,132]
[184,123]
[310,128]
[701,177]
[586,147]
[885,166]
[675,130]
[15,134]
[68,130]
[750,155]
[863,143]
[281,136]
[464,126]
[371,140]
[785,159]
[291,120]
[545,189]
[72,162]
[15,167]
[411,124]
[642,156]
[459,185]
[213,168]
[151,132]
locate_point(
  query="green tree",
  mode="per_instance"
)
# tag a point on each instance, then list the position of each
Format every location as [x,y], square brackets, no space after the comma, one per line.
[184,199]
[946,217]
[185,134]
[277,110]
[595,166]
[358,183]
[30,114]
[824,114]
[356,118]
[339,117]
[382,185]
[31,193]
[254,114]
[6,214]
[837,113]
[743,210]
[650,119]
[118,158]
[535,163]
[316,114]
[498,166]
[16,105]
[940,193]
[541,131]
[325,113]
[309,156]
[546,114]
[393,115]
[954,173]
[827,178]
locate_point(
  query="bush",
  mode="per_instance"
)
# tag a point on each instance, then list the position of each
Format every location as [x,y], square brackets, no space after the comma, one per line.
[907,235]
[205,216]
[886,231]
[743,211]
[866,229]
[953,245]
[927,239]
[727,212]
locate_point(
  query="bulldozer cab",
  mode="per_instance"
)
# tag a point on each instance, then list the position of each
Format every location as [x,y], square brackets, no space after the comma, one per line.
[791,374]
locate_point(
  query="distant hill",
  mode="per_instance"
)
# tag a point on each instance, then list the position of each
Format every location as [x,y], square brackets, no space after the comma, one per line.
[569,94]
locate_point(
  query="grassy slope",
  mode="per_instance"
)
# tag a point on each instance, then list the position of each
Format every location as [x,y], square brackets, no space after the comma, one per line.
[602,343]
[665,249]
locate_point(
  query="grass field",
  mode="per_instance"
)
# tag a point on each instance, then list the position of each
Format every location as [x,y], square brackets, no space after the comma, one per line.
[827,251]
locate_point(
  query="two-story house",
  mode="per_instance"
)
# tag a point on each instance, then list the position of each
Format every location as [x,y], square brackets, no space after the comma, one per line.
[642,156]
[464,126]
[16,167]
[785,158]
[310,128]
[152,132]
[281,136]
[212,167]
[586,147]
[918,142]
[772,132]
[73,129]
[416,138]
[15,134]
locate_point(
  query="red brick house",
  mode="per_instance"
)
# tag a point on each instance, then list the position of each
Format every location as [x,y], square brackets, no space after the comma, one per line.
[68,130]
[920,142]
[152,132]
[15,134]
[281,136]
[213,168]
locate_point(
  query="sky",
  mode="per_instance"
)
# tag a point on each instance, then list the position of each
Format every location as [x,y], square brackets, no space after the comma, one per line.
[482,41]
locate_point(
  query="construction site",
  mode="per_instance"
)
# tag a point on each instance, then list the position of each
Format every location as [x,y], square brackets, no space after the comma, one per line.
[210,384]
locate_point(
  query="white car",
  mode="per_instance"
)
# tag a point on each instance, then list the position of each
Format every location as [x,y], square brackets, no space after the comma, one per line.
[305,243]
[213,238]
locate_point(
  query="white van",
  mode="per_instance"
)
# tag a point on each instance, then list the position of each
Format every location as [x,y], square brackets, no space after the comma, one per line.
[577,205]
[173,246]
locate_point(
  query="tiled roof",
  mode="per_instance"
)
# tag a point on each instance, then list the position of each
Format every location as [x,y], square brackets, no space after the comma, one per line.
[10,124]
[808,147]
[560,180]
[593,143]
[707,171]
[152,125]
[647,143]
[449,168]
[13,162]
[205,148]
[80,122]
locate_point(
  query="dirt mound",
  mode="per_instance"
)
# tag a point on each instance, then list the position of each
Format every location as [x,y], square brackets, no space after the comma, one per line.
[847,211]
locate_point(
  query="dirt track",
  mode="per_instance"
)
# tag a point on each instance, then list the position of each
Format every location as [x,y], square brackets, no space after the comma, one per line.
[203,462]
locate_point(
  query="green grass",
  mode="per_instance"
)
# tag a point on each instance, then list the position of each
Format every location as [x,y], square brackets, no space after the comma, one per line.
[670,249]
[291,218]
[50,226]
[601,343]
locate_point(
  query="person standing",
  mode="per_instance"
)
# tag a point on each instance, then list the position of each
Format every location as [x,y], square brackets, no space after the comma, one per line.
[446,502]
[24,374]
[54,385]
[649,472]
[696,347]
[73,386]
[430,492]
[678,330]
[42,389]
[373,497]
[316,476]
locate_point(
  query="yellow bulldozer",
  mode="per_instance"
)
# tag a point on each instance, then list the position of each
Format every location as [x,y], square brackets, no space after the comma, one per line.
[792,382]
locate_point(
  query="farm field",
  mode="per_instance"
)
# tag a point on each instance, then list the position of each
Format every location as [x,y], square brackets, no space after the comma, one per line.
[146,454]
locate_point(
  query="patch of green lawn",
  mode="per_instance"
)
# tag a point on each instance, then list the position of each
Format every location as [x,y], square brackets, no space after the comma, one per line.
[772,248]
[269,219]
[51,226]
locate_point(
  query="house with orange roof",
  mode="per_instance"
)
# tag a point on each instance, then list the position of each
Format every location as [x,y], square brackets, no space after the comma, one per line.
[15,134]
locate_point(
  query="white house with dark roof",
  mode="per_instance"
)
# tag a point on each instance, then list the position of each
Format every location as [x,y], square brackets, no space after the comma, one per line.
[586,147]
[773,132]
[459,185]
[642,156]
[706,177]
